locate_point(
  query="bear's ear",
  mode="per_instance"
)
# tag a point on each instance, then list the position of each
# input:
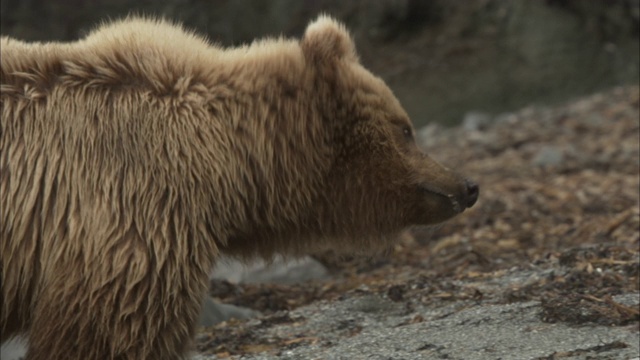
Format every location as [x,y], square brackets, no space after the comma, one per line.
[326,39]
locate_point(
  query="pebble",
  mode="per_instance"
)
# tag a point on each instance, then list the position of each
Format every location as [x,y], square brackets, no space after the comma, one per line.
[280,271]
[476,121]
[214,312]
[548,156]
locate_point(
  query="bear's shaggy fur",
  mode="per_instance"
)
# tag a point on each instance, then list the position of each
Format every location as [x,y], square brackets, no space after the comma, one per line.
[131,159]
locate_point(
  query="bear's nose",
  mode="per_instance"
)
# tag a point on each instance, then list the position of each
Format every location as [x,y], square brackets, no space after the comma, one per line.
[473,190]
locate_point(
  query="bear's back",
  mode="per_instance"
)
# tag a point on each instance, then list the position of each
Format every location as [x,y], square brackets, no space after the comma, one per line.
[141,52]
[144,51]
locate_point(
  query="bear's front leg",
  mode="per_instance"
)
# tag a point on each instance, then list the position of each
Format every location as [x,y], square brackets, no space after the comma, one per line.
[121,306]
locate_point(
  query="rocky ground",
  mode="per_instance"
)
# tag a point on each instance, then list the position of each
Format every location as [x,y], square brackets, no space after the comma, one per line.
[545,266]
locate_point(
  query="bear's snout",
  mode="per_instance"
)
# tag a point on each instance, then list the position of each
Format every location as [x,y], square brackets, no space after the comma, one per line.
[473,191]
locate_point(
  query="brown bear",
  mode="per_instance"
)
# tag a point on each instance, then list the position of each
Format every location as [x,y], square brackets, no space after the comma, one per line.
[130,160]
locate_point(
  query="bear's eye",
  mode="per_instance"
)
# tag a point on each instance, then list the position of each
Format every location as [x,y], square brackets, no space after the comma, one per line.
[408,134]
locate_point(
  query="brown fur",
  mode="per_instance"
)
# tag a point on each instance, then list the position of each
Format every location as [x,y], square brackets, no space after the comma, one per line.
[131,159]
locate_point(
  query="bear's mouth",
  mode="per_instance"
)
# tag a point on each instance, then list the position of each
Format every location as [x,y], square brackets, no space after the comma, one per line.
[434,191]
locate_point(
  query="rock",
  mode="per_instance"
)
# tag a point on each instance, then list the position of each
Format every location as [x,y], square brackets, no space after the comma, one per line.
[280,271]
[548,156]
[214,312]
[374,304]
[427,134]
[628,299]
[14,349]
[476,121]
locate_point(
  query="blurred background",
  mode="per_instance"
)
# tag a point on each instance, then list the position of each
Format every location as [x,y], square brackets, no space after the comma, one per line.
[444,59]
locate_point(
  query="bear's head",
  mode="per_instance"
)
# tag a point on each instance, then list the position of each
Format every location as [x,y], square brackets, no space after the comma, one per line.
[379,181]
